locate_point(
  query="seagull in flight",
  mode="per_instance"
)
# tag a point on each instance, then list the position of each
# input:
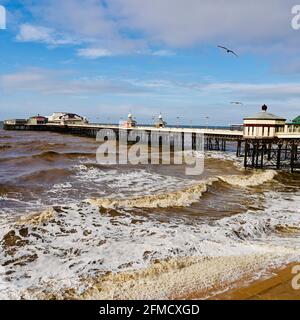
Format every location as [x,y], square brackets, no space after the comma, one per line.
[237,102]
[228,50]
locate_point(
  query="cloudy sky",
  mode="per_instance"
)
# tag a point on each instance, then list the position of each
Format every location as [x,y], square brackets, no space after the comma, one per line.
[104,58]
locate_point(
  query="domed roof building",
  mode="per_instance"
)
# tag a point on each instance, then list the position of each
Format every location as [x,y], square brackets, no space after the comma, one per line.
[263,124]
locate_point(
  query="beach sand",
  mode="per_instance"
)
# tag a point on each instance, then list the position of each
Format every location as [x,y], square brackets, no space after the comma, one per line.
[276,287]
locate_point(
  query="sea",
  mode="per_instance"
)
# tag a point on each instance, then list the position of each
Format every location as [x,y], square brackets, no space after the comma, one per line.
[73,228]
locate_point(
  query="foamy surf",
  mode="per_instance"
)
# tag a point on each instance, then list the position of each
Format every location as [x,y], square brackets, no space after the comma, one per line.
[79,252]
[176,279]
[186,196]
[172,279]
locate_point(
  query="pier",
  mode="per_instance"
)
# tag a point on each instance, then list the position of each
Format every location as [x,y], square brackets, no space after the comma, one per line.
[266,141]
[214,139]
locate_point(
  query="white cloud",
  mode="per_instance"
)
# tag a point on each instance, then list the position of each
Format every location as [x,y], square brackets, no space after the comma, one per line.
[87,19]
[136,26]
[33,33]
[65,88]
[163,53]
[63,21]
[54,82]
[183,23]
[94,53]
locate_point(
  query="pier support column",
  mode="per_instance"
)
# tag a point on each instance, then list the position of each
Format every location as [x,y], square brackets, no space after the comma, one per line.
[269,151]
[238,149]
[253,154]
[194,147]
[279,156]
[257,154]
[262,155]
[293,156]
[286,151]
[224,145]
[246,154]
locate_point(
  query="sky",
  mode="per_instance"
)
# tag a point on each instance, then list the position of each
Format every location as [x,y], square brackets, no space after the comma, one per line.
[105,58]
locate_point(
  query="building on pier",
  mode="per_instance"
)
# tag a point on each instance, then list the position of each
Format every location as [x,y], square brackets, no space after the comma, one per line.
[263,125]
[294,126]
[129,123]
[64,118]
[37,120]
[160,123]
[15,122]
[271,142]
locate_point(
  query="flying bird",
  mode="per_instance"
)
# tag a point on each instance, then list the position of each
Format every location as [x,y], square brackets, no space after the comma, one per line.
[237,102]
[228,50]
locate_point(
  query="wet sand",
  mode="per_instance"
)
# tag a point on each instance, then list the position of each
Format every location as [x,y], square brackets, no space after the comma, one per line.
[277,287]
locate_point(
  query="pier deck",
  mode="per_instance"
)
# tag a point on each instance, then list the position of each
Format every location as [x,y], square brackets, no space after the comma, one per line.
[94,128]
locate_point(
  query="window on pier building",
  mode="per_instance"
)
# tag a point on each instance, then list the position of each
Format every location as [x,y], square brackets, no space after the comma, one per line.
[295,129]
[279,129]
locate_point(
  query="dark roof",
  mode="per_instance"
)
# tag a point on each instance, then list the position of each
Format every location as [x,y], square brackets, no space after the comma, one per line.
[71,115]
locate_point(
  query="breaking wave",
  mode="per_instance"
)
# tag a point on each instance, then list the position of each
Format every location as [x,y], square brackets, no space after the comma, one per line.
[255,179]
[173,199]
[184,197]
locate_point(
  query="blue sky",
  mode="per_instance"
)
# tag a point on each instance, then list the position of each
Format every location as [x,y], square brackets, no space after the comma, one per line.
[103,59]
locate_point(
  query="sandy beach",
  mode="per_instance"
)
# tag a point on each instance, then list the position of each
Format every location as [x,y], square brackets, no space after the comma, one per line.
[276,287]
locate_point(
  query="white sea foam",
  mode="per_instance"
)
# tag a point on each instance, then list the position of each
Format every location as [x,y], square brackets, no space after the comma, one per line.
[83,243]
[129,182]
